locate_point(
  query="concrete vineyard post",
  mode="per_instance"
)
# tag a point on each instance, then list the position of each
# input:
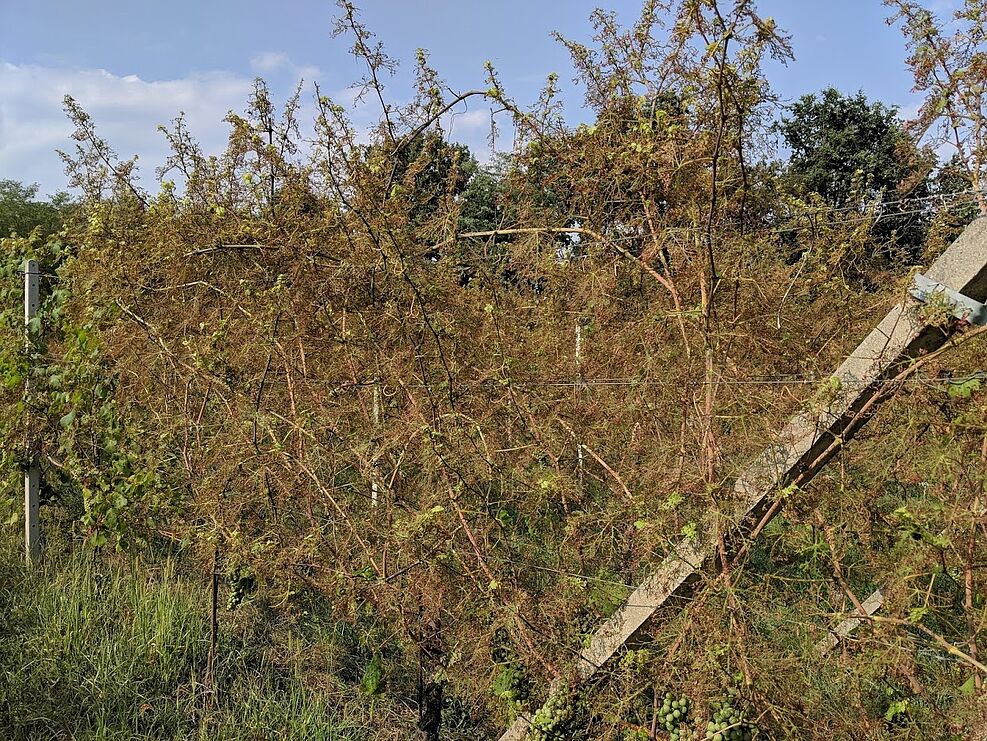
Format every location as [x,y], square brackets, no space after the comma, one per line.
[374,486]
[579,373]
[32,472]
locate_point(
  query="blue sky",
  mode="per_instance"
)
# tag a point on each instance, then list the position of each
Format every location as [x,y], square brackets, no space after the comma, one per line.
[134,64]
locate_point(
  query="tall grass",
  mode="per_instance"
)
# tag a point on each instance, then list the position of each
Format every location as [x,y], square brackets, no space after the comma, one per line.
[97,651]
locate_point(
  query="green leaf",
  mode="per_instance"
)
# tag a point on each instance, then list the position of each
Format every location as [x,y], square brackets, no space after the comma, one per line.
[917,614]
[969,687]
[373,676]
[963,389]
[506,683]
[672,501]
[67,420]
[898,707]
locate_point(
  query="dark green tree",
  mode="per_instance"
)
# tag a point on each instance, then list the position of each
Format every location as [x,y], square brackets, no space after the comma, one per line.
[21,212]
[433,174]
[481,208]
[851,151]
[954,209]
[430,169]
[840,143]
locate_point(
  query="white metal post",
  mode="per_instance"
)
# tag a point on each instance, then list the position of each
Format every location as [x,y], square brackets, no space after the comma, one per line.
[32,473]
[374,487]
[579,373]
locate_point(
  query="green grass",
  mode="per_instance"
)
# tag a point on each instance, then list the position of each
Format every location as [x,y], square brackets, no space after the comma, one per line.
[98,651]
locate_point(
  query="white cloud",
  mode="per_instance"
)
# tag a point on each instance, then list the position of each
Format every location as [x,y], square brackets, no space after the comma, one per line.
[468,122]
[350,97]
[125,109]
[269,61]
[909,111]
[472,127]
[278,63]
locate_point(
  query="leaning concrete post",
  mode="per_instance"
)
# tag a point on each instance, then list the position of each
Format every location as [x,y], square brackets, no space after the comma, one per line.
[801,449]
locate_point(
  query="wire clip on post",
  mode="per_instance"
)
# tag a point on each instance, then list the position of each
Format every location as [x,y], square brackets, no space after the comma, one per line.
[964,308]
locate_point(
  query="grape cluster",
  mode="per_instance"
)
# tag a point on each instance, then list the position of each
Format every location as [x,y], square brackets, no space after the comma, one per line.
[242,584]
[672,714]
[729,723]
[512,683]
[550,722]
